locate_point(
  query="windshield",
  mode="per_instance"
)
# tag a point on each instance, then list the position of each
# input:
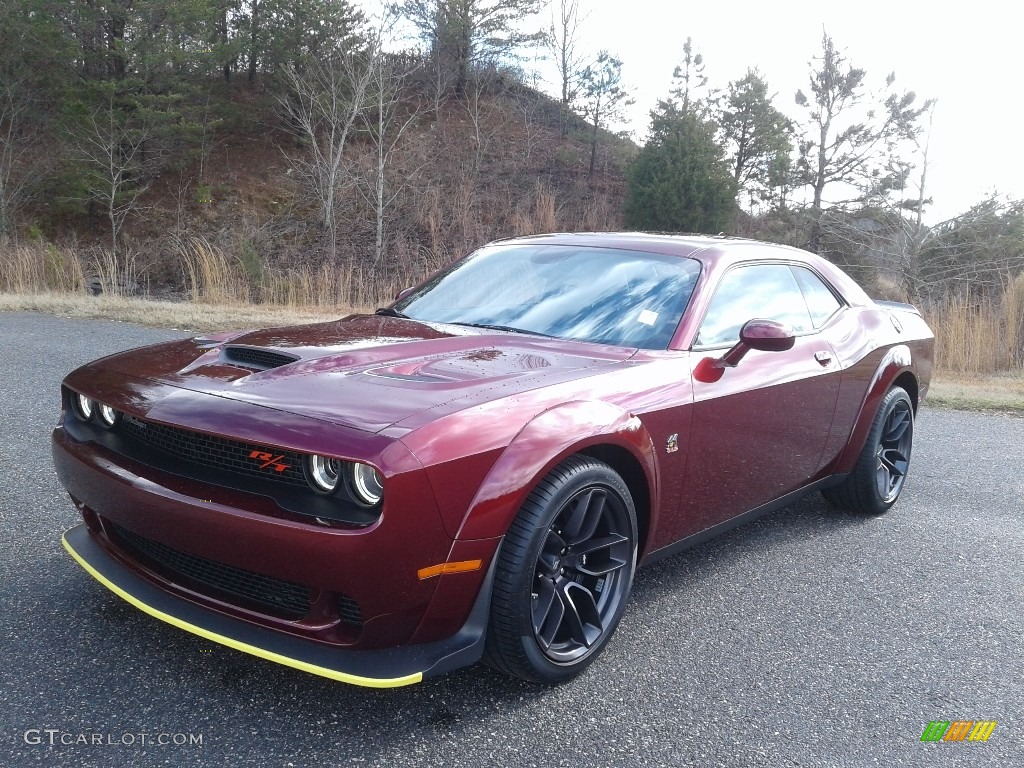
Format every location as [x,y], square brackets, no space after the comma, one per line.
[625,298]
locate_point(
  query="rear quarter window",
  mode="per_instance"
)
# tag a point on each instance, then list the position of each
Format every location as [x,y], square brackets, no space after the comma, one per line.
[821,301]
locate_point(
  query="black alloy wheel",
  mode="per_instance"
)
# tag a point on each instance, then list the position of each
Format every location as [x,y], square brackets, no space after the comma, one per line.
[893,453]
[877,479]
[564,573]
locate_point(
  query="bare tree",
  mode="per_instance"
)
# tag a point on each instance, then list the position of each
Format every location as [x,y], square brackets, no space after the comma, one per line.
[392,112]
[534,133]
[481,112]
[18,139]
[116,145]
[323,104]
[563,43]
[913,236]
[973,255]
[888,231]
[979,252]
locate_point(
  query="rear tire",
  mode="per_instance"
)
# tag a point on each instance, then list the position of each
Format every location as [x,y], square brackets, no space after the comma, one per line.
[564,573]
[877,479]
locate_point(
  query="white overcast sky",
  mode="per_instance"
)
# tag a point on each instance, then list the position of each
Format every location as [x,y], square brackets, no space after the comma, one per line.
[967,55]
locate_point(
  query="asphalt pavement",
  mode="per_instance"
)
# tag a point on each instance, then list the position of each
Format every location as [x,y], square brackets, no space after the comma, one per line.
[807,638]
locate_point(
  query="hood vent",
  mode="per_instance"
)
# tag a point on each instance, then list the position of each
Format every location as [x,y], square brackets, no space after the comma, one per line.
[255,358]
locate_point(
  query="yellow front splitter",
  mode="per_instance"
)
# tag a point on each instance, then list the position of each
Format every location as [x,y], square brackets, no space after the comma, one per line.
[389,668]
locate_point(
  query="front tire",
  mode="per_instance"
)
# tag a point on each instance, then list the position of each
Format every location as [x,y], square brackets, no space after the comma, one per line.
[878,477]
[564,573]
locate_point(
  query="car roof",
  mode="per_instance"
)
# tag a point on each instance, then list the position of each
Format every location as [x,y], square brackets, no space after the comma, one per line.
[672,245]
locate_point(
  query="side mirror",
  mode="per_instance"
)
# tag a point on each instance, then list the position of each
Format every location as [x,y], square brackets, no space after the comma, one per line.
[762,335]
[403,293]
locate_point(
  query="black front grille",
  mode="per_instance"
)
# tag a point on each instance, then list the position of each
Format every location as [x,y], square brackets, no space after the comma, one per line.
[278,597]
[259,359]
[218,452]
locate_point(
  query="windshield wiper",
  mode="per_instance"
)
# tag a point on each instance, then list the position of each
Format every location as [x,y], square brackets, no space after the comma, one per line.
[389,312]
[509,328]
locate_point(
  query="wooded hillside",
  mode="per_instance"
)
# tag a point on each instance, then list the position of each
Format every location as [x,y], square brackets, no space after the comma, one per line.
[292,151]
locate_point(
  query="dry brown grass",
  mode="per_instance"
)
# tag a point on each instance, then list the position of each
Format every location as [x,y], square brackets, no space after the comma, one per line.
[213,277]
[323,286]
[982,336]
[1003,393]
[35,267]
[183,315]
[536,215]
[210,276]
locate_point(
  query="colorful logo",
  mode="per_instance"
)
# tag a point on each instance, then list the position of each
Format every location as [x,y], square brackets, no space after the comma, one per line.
[269,461]
[958,730]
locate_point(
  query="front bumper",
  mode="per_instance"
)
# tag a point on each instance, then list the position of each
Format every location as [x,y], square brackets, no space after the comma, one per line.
[372,569]
[387,668]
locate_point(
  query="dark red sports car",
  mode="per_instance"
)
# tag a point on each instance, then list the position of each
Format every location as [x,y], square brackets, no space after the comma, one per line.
[477,470]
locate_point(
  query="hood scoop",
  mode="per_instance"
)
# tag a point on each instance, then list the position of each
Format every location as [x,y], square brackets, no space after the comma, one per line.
[255,358]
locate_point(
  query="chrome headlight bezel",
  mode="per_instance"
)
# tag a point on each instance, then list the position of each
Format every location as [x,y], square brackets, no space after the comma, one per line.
[323,473]
[365,484]
[106,415]
[83,407]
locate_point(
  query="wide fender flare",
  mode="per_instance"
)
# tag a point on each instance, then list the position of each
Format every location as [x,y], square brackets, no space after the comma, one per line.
[893,364]
[547,439]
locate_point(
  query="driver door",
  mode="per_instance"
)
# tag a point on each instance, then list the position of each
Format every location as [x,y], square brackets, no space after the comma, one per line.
[759,429]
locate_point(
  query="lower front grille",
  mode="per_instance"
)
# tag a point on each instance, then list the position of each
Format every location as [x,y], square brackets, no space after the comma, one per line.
[285,599]
[349,611]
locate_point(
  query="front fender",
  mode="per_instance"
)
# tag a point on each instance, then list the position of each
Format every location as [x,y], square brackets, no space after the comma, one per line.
[546,440]
[894,363]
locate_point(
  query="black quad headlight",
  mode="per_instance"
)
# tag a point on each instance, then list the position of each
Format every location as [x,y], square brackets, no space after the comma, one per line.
[82,406]
[323,473]
[365,484]
[107,415]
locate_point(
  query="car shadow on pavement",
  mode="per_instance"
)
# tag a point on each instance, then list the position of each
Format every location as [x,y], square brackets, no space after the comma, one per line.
[807,519]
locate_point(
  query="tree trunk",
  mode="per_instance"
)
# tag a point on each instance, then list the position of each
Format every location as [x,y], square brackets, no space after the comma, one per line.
[593,145]
[253,39]
[115,45]
[814,243]
[222,34]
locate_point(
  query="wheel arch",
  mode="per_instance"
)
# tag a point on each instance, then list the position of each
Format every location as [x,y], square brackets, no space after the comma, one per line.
[896,368]
[592,428]
[628,467]
[908,381]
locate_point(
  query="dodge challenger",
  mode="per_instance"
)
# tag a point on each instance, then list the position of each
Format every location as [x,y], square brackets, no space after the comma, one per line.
[476,471]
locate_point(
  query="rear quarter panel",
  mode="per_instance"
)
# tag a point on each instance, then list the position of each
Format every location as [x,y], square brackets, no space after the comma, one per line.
[876,353]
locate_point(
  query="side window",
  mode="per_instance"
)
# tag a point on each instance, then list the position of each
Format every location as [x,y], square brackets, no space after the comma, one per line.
[767,291]
[820,300]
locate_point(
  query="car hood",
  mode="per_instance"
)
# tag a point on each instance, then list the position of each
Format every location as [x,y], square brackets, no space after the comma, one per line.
[368,372]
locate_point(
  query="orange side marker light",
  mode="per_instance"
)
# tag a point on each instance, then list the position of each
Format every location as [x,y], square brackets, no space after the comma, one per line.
[461,566]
